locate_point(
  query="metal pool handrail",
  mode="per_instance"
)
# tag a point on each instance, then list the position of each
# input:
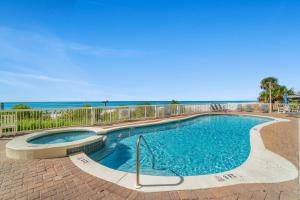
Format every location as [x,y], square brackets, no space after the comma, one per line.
[138,144]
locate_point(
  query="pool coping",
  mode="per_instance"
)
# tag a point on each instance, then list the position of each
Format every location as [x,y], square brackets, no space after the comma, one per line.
[20,148]
[273,168]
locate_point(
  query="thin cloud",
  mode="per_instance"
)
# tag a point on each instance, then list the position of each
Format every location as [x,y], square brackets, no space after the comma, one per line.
[44,78]
[21,80]
[64,45]
[34,76]
[86,49]
[33,62]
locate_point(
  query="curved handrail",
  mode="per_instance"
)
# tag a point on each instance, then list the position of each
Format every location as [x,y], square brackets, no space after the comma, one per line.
[138,144]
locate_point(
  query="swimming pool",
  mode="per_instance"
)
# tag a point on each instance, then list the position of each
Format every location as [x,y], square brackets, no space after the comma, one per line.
[62,137]
[205,144]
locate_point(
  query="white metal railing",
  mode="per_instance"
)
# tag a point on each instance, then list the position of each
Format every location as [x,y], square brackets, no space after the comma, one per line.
[13,122]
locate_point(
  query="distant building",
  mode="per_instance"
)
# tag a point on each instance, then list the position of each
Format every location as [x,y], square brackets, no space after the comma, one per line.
[295,97]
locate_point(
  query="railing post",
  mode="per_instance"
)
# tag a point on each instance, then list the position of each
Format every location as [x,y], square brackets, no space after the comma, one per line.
[110,117]
[129,111]
[93,116]
[16,121]
[155,110]
[1,124]
[117,115]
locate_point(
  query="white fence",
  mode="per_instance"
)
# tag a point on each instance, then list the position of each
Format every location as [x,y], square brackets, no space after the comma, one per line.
[13,122]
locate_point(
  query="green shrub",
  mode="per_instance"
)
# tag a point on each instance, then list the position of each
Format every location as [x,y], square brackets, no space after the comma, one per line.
[173,101]
[21,106]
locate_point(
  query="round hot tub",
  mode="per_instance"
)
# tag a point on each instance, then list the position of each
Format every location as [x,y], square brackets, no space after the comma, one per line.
[61,137]
[55,143]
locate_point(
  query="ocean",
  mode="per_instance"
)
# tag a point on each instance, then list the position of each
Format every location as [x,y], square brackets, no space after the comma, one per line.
[76,104]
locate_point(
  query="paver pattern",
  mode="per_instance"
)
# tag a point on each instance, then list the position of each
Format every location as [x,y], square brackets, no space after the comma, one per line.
[61,179]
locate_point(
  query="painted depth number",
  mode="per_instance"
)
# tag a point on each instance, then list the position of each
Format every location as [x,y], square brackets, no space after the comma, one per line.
[83,160]
[225,177]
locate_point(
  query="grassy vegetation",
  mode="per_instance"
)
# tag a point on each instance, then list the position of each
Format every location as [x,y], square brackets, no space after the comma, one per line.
[21,106]
[41,120]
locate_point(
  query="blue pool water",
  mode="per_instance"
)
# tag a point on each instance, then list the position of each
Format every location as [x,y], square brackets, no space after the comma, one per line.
[62,137]
[202,145]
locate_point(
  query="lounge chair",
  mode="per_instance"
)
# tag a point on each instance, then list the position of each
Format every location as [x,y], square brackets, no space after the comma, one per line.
[222,108]
[213,108]
[295,111]
[284,109]
[218,106]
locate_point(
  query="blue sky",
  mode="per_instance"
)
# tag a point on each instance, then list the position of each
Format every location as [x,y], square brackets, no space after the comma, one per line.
[146,50]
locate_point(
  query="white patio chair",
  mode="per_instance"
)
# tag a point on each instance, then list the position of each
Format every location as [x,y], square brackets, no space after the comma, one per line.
[281,108]
[296,109]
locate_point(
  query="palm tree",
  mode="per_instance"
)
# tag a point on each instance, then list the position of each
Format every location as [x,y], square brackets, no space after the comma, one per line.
[263,96]
[267,82]
[277,93]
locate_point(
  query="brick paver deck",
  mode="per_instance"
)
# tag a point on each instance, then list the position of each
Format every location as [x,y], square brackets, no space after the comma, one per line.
[61,179]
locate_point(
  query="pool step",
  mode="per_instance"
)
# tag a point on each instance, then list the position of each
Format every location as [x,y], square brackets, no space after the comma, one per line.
[89,148]
[102,153]
[158,172]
